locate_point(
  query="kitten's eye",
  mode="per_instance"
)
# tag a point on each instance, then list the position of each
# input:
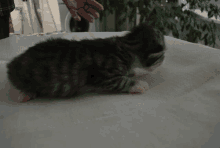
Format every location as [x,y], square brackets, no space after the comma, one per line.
[153,58]
[156,55]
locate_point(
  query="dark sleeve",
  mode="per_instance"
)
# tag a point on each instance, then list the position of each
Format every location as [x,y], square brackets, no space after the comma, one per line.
[6,7]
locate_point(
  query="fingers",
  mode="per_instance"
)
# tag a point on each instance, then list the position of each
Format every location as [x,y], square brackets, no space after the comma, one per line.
[85,11]
[93,12]
[96,4]
[86,15]
[72,9]
[88,12]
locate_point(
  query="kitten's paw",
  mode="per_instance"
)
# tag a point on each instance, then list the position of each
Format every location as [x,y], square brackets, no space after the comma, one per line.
[139,87]
[26,96]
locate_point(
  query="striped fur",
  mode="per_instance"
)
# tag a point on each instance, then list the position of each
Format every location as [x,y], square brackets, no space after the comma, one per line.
[62,68]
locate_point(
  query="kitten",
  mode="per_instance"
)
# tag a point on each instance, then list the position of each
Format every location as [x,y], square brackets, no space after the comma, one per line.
[62,68]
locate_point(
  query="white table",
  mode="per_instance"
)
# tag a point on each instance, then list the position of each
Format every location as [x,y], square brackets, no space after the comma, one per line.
[181,109]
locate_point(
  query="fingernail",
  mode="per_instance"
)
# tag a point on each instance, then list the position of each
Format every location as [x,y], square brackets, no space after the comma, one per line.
[97,14]
[77,18]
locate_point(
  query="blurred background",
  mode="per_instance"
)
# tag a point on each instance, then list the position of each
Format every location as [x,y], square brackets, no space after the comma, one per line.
[44,16]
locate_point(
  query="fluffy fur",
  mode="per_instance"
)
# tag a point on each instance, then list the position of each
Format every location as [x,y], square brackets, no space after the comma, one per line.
[61,67]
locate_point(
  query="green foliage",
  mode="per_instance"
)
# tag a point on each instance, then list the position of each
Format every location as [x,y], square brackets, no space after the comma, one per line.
[164,17]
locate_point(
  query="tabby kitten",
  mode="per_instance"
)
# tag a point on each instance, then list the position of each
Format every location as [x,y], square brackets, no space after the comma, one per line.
[61,67]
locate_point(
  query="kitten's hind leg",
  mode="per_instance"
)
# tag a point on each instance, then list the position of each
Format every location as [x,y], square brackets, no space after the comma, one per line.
[27,96]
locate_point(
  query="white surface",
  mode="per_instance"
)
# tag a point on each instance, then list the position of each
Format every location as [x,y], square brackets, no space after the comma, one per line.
[181,109]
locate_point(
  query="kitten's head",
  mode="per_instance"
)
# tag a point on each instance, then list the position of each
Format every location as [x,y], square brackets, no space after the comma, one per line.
[147,43]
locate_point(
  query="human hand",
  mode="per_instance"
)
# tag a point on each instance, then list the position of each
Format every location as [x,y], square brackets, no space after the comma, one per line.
[83,8]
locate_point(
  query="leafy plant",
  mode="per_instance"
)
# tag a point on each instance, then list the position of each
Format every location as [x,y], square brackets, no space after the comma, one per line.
[190,26]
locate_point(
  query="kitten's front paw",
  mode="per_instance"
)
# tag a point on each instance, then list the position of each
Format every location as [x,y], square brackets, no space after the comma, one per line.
[139,87]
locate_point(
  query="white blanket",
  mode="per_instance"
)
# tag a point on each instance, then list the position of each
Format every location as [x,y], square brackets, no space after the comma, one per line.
[181,109]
